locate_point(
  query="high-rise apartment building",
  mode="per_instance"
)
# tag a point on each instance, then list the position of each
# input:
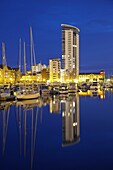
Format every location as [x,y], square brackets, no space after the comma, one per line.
[70,49]
[54,65]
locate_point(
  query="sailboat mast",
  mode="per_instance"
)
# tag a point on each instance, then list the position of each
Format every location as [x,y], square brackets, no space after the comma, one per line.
[34,54]
[3,60]
[24,58]
[31,45]
[3,54]
[20,54]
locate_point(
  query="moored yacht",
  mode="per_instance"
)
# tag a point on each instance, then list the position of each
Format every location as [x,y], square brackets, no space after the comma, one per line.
[63,89]
[94,86]
[30,94]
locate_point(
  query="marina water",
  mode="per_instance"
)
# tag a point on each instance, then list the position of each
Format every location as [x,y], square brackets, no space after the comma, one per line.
[58,132]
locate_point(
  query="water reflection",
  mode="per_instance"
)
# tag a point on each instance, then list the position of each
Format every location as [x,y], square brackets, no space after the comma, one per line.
[5,112]
[27,117]
[54,105]
[28,114]
[5,107]
[70,120]
[93,93]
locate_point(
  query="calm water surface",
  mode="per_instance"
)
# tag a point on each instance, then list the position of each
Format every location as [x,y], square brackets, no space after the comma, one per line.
[66,132]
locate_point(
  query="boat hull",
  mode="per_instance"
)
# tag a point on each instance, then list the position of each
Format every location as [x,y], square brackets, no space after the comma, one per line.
[7,98]
[27,96]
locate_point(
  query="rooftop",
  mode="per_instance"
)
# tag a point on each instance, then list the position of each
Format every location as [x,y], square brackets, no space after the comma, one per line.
[70,27]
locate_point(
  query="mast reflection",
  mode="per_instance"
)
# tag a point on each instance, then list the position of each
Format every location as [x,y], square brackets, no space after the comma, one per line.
[28,125]
[5,110]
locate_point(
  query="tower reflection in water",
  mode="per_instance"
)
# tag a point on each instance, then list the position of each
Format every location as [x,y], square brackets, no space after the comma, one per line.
[28,116]
[70,120]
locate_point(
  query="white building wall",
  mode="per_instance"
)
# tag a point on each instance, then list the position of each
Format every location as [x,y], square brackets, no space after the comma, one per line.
[54,70]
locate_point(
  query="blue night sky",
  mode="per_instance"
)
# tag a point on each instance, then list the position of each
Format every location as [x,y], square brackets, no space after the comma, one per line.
[94,18]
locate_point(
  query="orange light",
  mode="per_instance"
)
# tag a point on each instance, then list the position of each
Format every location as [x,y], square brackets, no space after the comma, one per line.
[102,72]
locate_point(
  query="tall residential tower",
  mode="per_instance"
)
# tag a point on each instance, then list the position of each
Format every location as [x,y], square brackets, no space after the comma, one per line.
[70,49]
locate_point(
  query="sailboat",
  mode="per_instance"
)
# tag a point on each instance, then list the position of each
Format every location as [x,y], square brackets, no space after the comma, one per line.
[26,94]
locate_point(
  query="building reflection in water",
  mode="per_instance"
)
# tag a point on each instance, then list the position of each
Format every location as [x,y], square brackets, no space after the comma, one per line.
[54,105]
[70,120]
[29,116]
[93,93]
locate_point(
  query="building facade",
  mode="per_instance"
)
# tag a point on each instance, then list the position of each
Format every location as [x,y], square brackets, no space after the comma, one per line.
[37,68]
[45,74]
[54,66]
[70,49]
[9,75]
[92,77]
